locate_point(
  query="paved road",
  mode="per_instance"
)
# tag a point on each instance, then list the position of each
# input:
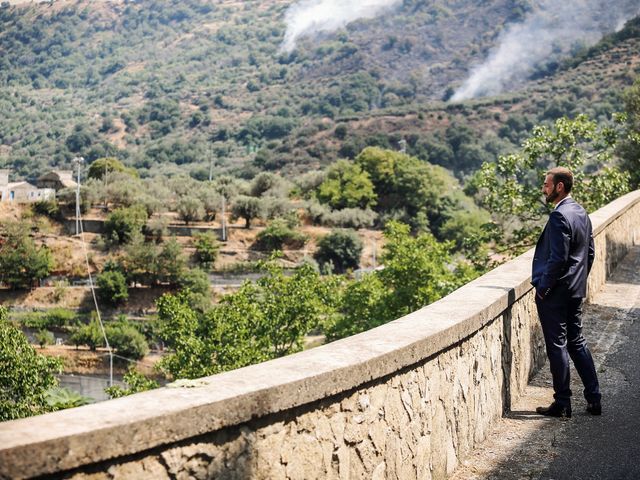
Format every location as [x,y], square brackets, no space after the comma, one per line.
[527,446]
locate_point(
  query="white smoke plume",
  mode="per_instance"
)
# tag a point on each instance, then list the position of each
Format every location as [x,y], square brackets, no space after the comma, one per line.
[552,28]
[314,16]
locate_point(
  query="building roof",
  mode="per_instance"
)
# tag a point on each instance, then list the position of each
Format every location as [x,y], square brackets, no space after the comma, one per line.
[23,184]
[65,177]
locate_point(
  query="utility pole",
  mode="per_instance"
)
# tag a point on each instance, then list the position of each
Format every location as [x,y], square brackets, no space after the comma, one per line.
[223,221]
[106,193]
[210,162]
[78,161]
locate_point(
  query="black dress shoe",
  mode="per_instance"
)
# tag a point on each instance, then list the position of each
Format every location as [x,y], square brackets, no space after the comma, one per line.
[555,410]
[594,408]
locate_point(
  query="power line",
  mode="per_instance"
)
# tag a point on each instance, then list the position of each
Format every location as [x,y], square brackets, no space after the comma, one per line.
[91,284]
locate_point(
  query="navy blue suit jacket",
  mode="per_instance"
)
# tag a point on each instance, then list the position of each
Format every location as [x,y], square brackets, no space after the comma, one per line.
[564,252]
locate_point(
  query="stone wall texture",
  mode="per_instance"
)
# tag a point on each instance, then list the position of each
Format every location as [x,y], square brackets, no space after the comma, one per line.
[406,400]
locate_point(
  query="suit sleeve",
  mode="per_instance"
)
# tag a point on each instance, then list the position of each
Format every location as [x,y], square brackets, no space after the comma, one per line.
[559,232]
[592,252]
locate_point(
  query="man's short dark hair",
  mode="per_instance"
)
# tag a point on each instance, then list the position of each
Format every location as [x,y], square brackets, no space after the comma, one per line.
[564,175]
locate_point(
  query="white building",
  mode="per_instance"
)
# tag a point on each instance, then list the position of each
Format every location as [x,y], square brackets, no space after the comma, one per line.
[22,192]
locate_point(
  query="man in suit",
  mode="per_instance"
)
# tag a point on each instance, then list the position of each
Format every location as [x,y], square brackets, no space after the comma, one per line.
[562,261]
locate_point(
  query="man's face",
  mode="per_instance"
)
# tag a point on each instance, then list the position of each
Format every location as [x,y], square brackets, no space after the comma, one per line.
[549,189]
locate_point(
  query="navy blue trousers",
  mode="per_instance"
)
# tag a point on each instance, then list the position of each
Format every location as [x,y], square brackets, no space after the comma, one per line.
[561,319]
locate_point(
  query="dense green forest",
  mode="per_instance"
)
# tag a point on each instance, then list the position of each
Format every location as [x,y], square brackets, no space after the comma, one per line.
[203,87]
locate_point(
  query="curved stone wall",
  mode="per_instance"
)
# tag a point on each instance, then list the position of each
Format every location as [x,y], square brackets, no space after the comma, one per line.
[405,400]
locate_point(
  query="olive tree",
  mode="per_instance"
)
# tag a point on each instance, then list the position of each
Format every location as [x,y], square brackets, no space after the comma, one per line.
[247,207]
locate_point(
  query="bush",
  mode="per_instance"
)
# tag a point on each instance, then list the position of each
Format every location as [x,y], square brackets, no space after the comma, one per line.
[351,218]
[61,398]
[341,249]
[207,249]
[123,223]
[45,337]
[197,283]
[309,182]
[112,288]
[274,207]
[127,340]
[136,382]
[32,320]
[277,235]
[48,208]
[55,318]
[317,213]
[60,290]
[60,317]
[89,335]
[340,131]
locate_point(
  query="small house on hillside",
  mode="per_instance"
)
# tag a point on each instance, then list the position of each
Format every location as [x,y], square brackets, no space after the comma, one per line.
[56,179]
[22,192]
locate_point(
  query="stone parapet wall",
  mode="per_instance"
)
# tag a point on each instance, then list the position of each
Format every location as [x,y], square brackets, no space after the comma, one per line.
[406,400]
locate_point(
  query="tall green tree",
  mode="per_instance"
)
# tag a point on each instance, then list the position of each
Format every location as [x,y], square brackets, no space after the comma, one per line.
[25,376]
[362,307]
[112,287]
[418,270]
[510,188]
[630,144]
[107,165]
[207,247]
[22,262]
[347,185]
[408,189]
[178,324]
[170,262]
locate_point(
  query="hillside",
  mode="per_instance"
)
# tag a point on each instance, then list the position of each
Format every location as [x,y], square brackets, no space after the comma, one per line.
[176,86]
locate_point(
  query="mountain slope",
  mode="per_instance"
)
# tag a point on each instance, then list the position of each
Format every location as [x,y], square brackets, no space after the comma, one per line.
[171,86]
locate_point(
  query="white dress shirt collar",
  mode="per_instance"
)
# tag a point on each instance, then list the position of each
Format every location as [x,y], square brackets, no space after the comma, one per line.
[561,201]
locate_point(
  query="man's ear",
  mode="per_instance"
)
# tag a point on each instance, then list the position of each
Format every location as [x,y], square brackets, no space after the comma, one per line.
[560,184]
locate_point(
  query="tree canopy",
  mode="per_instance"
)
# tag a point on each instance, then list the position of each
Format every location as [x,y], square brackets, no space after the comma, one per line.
[510,188]
[25,376]
[262,320]
[347,186]
[22,262]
